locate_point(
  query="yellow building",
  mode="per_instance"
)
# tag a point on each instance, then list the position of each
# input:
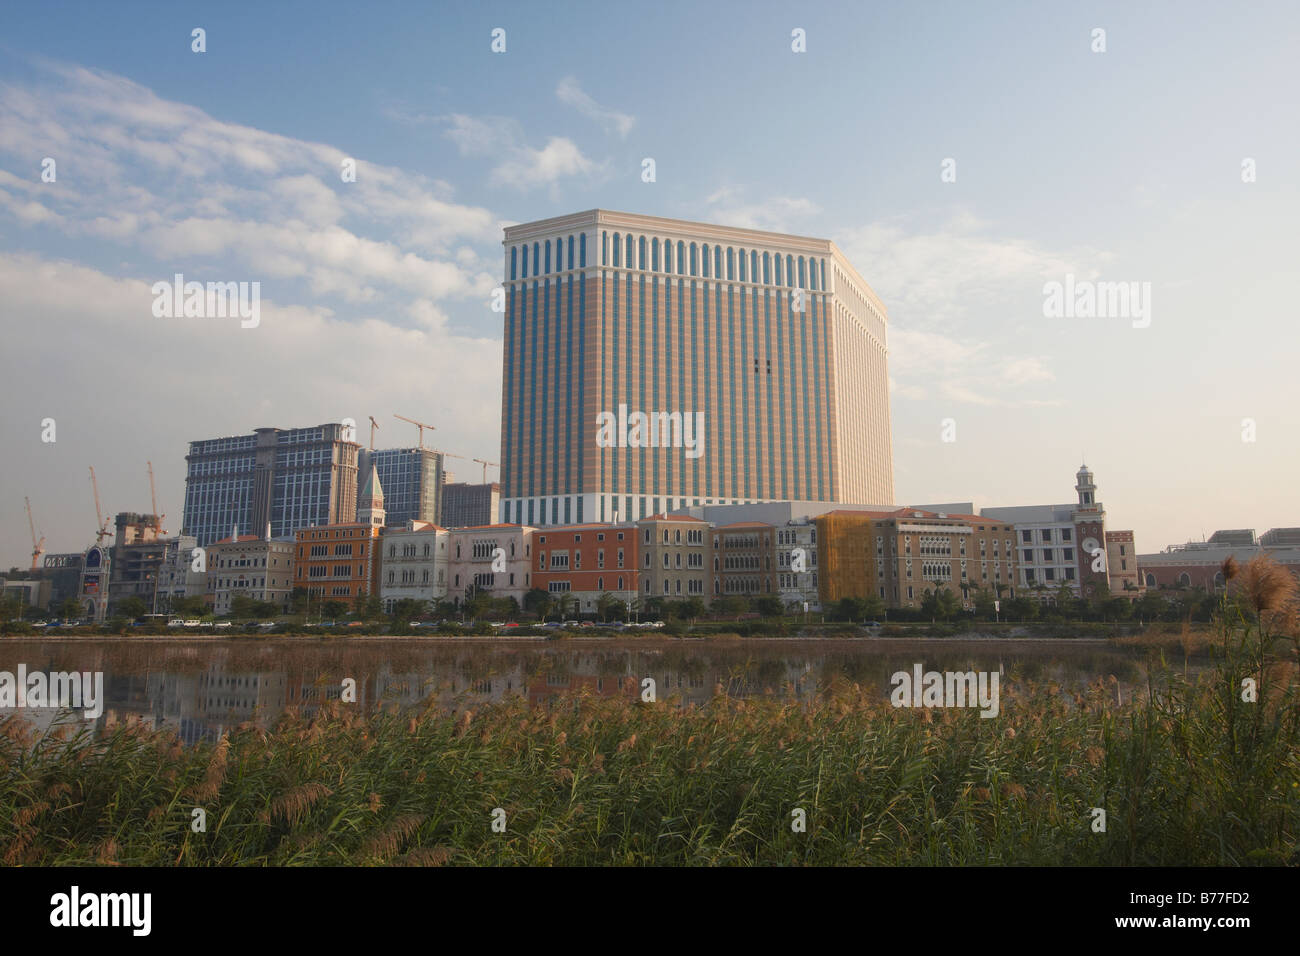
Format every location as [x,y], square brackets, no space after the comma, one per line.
[897,556]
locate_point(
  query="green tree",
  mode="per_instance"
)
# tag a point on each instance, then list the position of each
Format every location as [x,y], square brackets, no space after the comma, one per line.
[851,609]
[984,607]
[1150,606]
[652,609]
[191,606]
[242,607]
[608,607]
[940,604]
[769,605]
[333,610]
[539,601]
[132,607]
[566,606]
[70,609]
[692,608]
[732,604]
[408,608]
[11,609]
[1022,609]
[1117,609]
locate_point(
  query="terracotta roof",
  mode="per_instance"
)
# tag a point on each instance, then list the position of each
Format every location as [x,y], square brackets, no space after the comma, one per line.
[242,537]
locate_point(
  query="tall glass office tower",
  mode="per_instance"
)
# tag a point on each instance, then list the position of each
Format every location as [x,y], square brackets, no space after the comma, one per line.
[284,478]
[655,364]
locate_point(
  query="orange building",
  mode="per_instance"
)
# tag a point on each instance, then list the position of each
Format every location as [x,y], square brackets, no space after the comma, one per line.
[585,561]
[338,562]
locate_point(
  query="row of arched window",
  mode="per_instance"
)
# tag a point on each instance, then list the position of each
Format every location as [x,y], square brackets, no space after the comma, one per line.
[626,251]
[548,256]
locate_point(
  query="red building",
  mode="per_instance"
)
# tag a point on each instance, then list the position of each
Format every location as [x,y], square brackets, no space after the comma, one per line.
[585,561]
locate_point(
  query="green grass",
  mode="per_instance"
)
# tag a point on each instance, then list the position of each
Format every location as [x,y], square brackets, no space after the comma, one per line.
[1188,775]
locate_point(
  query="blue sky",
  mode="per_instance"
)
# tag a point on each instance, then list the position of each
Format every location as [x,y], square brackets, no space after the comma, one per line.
[1116,166]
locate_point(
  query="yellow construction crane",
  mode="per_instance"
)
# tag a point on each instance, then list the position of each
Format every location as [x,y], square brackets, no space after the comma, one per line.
[420,425]
[103,531]
[373,425]
[485,467]
[38,547]
[153,500]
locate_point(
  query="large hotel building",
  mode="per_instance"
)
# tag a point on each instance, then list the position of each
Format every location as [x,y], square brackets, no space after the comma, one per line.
[757,359]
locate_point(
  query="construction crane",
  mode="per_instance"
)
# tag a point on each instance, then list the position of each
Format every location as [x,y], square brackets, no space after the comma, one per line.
[103,531]
[420,425]
[485,467]
[38,547]
[153,500]
[446,454]
[373,425]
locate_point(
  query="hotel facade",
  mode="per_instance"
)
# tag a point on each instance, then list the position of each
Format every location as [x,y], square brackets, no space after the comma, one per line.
[652,365]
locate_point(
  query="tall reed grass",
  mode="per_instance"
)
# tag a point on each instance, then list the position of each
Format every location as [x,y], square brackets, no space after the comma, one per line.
[1188,773]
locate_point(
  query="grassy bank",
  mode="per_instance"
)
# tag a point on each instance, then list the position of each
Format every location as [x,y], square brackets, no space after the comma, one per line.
[1190,775]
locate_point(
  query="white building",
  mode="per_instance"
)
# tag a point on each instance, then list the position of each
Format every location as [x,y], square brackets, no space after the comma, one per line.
[495,559]
[1059,544]
[177,577]
[414,564]
[796,564]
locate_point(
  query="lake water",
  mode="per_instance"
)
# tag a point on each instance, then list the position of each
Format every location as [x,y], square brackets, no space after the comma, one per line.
[201,688]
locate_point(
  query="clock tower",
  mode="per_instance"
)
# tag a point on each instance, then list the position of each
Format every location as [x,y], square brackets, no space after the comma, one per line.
[1090,531]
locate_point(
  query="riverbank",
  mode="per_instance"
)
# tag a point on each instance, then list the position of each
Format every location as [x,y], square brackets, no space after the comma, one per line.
[1151,635]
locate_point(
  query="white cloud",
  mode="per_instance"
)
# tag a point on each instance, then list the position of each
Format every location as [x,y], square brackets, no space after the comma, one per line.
[931,365]
[184,186]
[937,277]
[571,93]
[132,387]
[774,214]
[521,166]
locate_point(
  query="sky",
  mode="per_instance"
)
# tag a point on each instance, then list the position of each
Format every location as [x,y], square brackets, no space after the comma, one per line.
[963,156]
